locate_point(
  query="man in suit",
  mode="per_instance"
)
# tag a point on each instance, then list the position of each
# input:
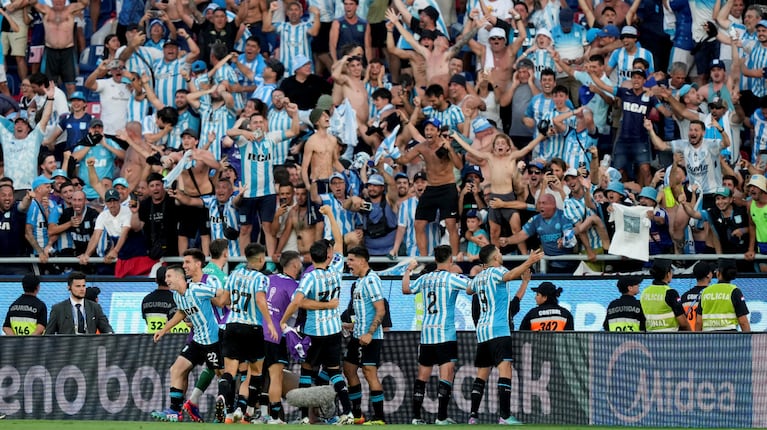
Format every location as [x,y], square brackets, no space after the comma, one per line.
[77,315]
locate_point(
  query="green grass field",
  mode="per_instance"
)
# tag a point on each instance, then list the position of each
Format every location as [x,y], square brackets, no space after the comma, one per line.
[144,425]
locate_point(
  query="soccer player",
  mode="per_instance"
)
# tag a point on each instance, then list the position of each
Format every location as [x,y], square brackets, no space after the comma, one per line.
[281,289]
[438,339]
[243,341]
[318,293]
[493,331]
[195,299]
[364,348]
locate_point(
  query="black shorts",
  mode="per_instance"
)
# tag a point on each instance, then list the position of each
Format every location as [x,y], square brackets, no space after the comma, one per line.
[198,354]
[243,342]
[321,42]
[369,355]
[258,209]
[442,198]
[60,62]
[493,352]
[378,34]
[325,351]
[192,220]
[437,353]
[276,353]
[501,216]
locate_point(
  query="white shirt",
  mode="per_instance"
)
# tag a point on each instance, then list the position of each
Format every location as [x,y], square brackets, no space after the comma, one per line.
[113,225]
[114,104]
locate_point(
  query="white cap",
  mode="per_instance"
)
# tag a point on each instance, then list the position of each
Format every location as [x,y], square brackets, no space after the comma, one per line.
[543,32]
[571,172]
[498,32]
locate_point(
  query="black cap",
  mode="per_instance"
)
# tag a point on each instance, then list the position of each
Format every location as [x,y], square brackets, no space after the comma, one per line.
[190,132]
[420,175]
[458,79]
[431,12]
[547,289]
[170,42]
[132,27]
[628,281]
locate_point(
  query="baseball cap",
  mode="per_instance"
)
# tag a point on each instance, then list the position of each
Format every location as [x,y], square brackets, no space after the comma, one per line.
[338,175]
[77,95]
[190,132]
[628,281]
[629,31]
[433,121]
[639,72]
[376,180]
[592,34]
[401,175]
[431,12]
[722,191]
[199,66]
[571,172]
[120,181]
[170,42]
[547,289]
[685,89]
[543,32]
[95,122]
[525,63]
[471,169]
[40,180]
[566,16]
[716,102]
[762,23]
[420,175]
[610,31]
[472,213]
[299,61]
[537,163]
[649,193]
[458,79]
[111,195]
[315,115]
[497,32]
[325,102]
[717,63]
[59,172]
[480,124]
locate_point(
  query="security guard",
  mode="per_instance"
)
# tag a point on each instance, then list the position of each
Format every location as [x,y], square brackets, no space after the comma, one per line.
[703,272]
[661,304]
[28,315]
[722,305]
[158,307]
[625,313]
[548,315]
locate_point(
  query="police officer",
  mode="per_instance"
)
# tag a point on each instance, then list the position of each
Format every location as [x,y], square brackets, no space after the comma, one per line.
[625,313]
[722,305]
[28,315]
[703,272]
[661,304]
[548,315]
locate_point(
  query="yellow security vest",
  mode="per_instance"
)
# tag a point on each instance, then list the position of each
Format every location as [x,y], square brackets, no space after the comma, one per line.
[718,310]
[659,315]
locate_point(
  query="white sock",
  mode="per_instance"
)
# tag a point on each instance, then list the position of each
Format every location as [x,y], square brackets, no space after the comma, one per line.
[196,395]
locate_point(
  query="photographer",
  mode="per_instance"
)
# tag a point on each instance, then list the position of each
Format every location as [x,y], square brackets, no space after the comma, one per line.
[378,218]
[158,217]
[102,149]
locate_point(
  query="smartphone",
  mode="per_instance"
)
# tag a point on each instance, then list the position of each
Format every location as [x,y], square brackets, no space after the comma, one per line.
[761,162]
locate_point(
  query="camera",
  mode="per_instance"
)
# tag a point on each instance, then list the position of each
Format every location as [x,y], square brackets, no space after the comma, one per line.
[543,126]
[442,153]
[366,207]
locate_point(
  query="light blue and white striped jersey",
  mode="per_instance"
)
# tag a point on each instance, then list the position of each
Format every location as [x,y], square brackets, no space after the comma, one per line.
[195,303]
[570,45]
[554,146]
[168,79]
[542,60]
[294,41]
[218,120]
[227,74]
[104,165]
[493,295]
[366,292]
[622,62]
[243,284]
[280,121]
[540,107]
[142,60]
[137,109]
[23,152]
[186,119]
[757,60]
[406,218]
[372,110]
[258,164]
[239,44]
[577,146]
[760,134]
[65,238]
[323,285]
[257,66]
[749,42]
[39,221]
[216,215]
[347,220]
[264,93]
[576,211]
[451,117]
[440,291]
[327,9]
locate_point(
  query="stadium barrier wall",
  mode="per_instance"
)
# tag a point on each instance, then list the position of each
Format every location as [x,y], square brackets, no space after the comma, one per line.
[586,298]
[649,380]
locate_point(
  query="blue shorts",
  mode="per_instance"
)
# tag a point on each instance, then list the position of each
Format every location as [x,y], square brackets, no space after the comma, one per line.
[630,153]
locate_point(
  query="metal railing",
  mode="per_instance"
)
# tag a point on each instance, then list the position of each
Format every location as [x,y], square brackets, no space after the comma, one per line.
[386,260]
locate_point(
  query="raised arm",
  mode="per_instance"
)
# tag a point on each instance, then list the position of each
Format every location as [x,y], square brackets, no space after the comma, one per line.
[657,142]
[534,257]
[338,238]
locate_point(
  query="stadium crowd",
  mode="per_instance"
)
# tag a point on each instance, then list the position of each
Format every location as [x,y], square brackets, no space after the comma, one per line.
[523,125]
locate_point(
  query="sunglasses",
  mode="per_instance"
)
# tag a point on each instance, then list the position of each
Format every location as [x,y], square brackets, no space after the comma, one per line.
[534,172]
[496,38]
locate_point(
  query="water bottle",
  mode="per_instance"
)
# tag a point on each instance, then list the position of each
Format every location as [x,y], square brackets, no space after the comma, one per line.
[606,160]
